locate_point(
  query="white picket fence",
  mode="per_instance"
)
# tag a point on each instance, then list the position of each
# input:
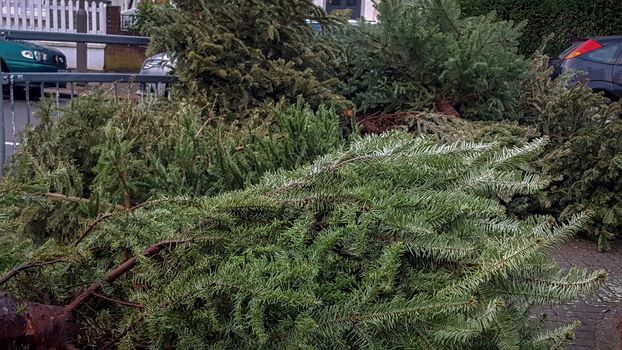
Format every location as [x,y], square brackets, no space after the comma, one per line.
[51,15]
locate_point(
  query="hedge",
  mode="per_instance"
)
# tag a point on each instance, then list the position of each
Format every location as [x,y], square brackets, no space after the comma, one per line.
[563,19]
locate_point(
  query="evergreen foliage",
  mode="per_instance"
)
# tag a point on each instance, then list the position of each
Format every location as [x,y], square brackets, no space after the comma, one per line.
[111,153]
[424,53]
[559,20]
[393,242]
[583,157]
[248,54]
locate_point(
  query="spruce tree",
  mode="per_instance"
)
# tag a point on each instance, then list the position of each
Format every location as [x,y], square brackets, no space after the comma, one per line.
[424,54]
[248,54]
[102,154]
[395,242]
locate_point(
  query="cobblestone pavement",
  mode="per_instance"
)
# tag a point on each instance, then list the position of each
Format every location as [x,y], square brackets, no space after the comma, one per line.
[600,313]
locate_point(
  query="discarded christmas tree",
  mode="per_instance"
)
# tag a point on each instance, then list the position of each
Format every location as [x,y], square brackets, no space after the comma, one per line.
[425,55]
[247,54]
[394,242]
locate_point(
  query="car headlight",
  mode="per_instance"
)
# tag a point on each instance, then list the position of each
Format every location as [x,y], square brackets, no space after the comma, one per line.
[35,55]
[28,54]
[152,63]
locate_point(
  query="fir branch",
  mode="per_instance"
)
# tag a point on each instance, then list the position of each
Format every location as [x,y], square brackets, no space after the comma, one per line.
[554,338]
[116,301]
[597,277]
[11,274]
[115,341]
[369,317]
[71,199]
[449,10]
[120,271]
[103,217]
[208,119]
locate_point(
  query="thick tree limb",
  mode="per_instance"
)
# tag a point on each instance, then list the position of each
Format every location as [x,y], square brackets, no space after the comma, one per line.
[54,327]
[38,325]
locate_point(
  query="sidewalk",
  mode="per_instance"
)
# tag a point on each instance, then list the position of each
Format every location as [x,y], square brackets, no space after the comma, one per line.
[601,313]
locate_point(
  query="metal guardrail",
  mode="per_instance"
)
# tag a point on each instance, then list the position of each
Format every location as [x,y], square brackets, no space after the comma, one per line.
[13,80]
[17,78]
[74,37]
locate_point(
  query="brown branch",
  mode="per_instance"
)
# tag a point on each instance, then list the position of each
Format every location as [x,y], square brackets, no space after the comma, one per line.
[209,118]
[103,217]
[116,301]
[54,327]
[118,272]
[9,275]
[70,199]
[91,227]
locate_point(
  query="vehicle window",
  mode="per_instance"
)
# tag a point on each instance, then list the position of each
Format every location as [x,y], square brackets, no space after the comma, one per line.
[607,54]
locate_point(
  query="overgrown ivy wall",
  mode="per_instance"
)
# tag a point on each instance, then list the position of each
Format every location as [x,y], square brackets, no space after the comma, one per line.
[564,19]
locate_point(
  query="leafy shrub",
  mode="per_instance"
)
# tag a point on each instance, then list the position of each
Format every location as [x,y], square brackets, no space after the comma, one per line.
[359,249]
[109,153]
[583,156]
[424,53]
[561,19]
[247,54]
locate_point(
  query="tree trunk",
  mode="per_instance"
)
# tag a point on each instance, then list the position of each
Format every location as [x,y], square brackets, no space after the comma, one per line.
[37,325]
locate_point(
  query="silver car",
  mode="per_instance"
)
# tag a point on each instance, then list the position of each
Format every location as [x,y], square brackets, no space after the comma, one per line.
[160,64]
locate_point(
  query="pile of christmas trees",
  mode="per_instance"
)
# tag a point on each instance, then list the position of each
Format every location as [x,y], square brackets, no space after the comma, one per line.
[393,242]
[248,215]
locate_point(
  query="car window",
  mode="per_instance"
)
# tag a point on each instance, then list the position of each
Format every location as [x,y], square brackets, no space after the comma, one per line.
[607,54]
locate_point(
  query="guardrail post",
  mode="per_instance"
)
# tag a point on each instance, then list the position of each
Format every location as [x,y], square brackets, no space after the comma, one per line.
[81,48]
[2,134]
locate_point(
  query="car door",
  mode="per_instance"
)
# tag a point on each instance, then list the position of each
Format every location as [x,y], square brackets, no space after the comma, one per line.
[598,65]
[353,5]
[617,76]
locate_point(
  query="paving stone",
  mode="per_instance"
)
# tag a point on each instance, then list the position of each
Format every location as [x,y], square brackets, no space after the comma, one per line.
[600,314]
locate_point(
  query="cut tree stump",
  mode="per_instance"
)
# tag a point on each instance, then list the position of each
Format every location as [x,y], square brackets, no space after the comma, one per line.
[38,325]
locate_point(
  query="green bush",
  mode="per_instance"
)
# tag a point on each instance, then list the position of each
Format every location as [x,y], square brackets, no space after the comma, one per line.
[424,54]
[561,19]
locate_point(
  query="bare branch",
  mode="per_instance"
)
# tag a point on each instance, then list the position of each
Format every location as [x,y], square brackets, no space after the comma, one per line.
[70,199]
[116,301]
[9,275]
